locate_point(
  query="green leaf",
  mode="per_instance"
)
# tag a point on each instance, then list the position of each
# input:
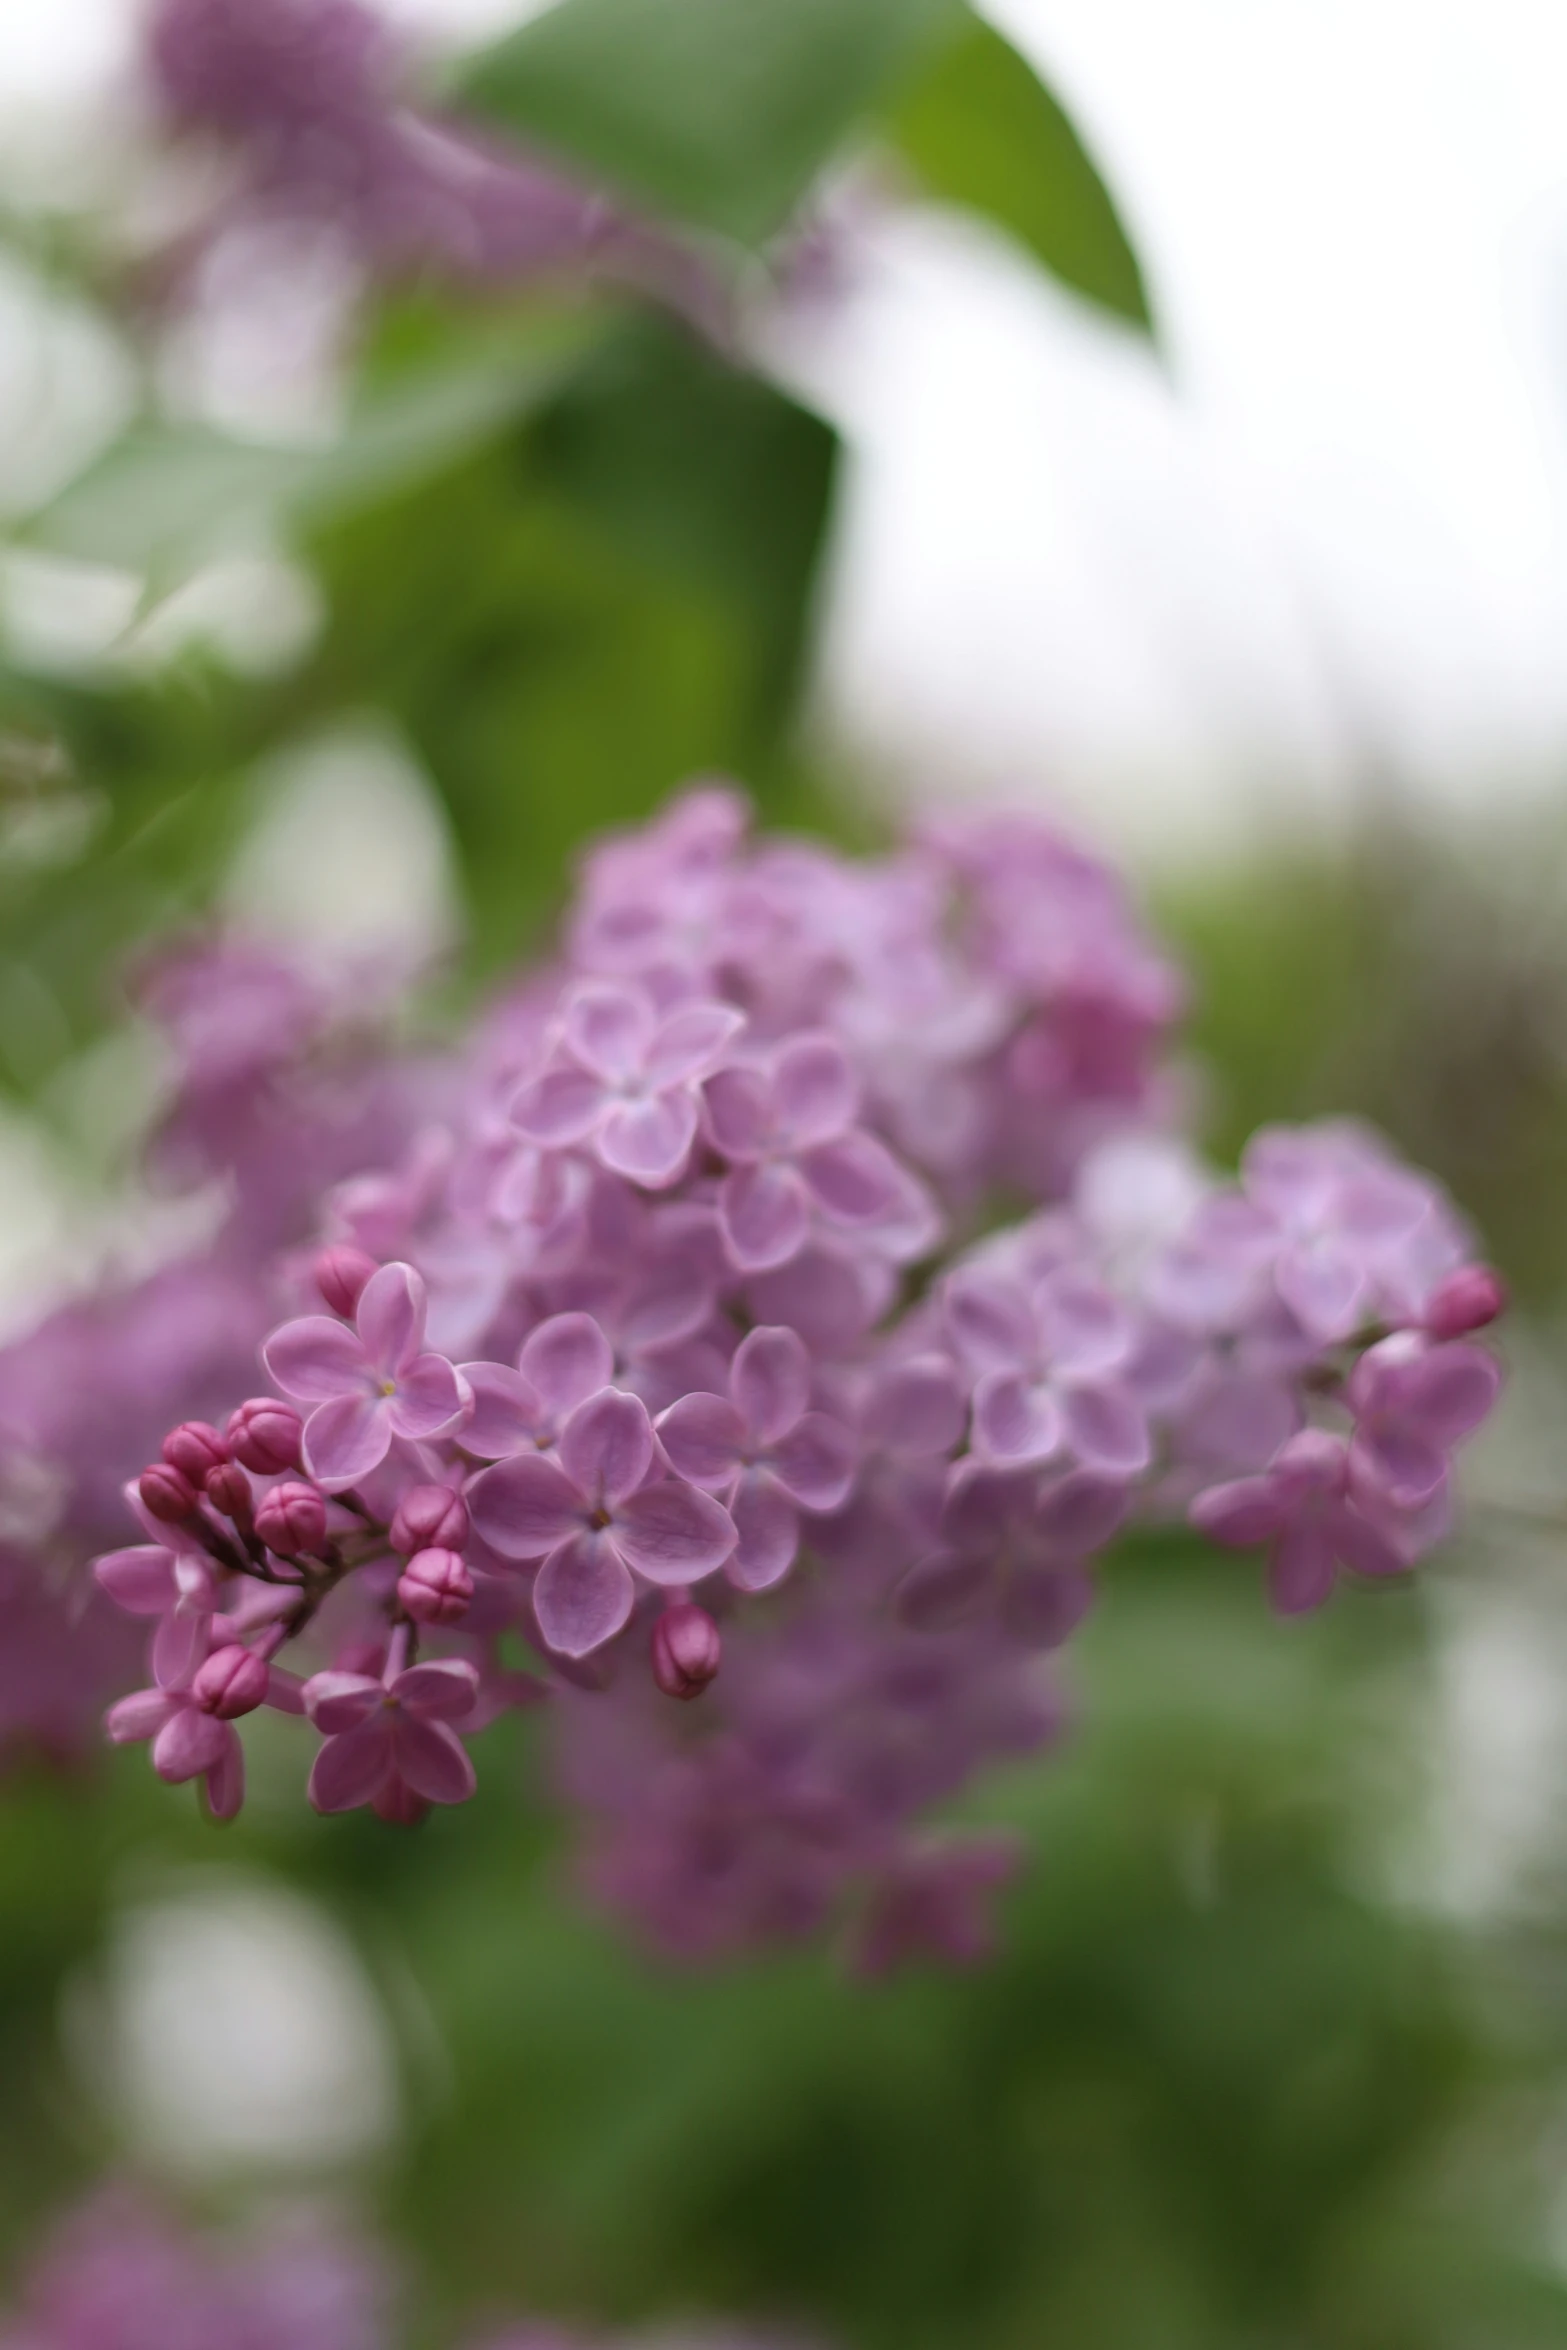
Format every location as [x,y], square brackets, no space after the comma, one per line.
[166,498]
[981,130]
[607,600]
[720,112]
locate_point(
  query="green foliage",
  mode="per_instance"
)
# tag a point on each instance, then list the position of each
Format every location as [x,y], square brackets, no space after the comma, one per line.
[166,497]
[981,130]
[607,600]
[718,112]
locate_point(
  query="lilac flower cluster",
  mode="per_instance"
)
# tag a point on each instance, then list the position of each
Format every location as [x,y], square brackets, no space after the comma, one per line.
[682,1348]
[308,99]
[123,2274]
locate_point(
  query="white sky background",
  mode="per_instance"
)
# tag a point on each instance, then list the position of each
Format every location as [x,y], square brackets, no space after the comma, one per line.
[1191,601]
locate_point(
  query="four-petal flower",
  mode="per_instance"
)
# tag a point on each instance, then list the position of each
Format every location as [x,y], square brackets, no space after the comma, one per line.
[369,1383]
[595,1517]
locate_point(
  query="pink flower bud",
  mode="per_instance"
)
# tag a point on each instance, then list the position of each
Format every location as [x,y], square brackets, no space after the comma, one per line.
[195,1449]
[265,1435]
[1465,1301]
[166,1493]
[340,1275]
[435,1587]
[430,1517]
[233,1681]
[687,1650]
[291,1518]
[228,1490]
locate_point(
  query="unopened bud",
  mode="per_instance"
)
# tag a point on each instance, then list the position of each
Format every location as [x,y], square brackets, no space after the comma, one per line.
[429,1517]
[1467,1300]
[435,1588]
[266,1435]
[291,1518]
[687,1650]
[233,1681]
[195,1449]
[166,1493]
[228,1490]
[340,1275]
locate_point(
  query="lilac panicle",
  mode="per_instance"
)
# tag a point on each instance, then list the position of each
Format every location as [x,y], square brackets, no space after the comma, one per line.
[674,1329]
[311,100]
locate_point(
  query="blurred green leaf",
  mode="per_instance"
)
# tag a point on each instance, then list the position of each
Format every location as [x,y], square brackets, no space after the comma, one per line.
[607,600]
[981,130]
[719,111]
[167,497]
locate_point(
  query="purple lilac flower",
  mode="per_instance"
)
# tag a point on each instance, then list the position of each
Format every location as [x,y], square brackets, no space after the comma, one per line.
[309,97]
[369,1384]
[596,1518]
[764,1451]
[122,2274]
[392,1737]
[732,1160]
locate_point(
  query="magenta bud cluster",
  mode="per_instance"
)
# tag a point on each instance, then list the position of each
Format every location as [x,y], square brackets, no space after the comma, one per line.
[686,1301]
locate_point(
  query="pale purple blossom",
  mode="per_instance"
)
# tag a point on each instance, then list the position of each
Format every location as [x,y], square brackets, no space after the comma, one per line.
[370,1383]
[387,1738]
[764,1451]
[596,1518]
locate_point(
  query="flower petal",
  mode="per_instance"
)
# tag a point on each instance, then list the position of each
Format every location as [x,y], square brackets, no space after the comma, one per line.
[649,1141]
[815,1091]
[179,1645]
[567,1359]
[608,1029]
[764,1214]
[507,1411]
[140,1580]
[606,1447]
[770,1381]
[1043,1605]
[1242,1513]
[1081,1511]
[1325,1288]
[702,1437]
[524,1507]
[1302,1570]
[991,1324]
[690,1043]
[559,1108]
[917,1407]
[1106,1429]
[431,1759]
[767,1533]
[341,1701]
[431,1399]
[350,1768]
[226,1778]
[390,1318]
[737,1105]
[442,1689]
[141,1715]
[815,1462]
[314,1360]
[855,1179]
[945,1589]
[1360,1544]
[189,1742]
[671,1533]
[582,1595]
[346,1439]
[1015,1418]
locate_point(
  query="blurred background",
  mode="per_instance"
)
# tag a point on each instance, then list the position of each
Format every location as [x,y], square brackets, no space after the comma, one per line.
[1157,418]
